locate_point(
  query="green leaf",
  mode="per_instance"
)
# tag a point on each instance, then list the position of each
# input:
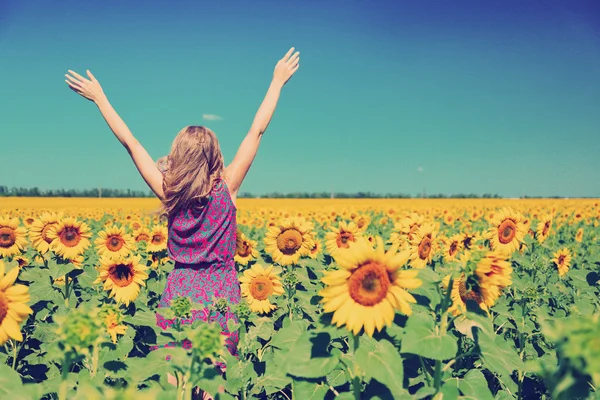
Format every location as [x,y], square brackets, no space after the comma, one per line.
[143,318]
[10,382]
[283,338]
[498,355]
[263,328]
[421,339]
[299,361]
[272,381]
[303,389]
[473,385]
[58,270]
[383,363]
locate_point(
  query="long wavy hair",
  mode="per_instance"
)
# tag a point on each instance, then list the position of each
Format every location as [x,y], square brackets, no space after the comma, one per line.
[190,170]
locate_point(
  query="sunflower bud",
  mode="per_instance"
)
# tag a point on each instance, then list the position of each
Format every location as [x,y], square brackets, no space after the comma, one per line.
[79,330]
[181,306]
[207,340]
[221,305]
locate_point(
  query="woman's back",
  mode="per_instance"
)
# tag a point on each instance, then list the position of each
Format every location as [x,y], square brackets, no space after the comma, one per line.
[208,236]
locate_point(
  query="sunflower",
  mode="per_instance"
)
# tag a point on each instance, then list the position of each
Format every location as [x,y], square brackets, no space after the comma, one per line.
[421,246]
[562,260]
[70,237]
[136,225]
[490,273]
[460,294]
[22,260]
[12,237]
[111,322]
[506,231]
[453,247]
[543,229]
[579,235]
[257,284]
[494,270]
[13,305]
[38,232]
[28,221]
[341,237]
[362,222]
[289,240]
[114,242]
[141,235]
[158,239]
[368,287]
[316,250]
[123,277]
[245,249]
[469,239]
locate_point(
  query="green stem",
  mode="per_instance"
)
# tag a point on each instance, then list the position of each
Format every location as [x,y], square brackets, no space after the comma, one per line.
[356,381]
[437,378]
[95,356]
[66,289]
[425,371]
[62,391]
[14,361]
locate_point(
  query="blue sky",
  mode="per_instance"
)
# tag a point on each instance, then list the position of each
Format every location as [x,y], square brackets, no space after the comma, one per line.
[391,96]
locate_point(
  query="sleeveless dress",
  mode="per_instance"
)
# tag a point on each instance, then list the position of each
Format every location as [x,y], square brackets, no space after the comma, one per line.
[203,246]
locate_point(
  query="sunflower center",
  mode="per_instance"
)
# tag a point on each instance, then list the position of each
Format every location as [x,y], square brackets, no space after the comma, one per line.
[425,248]
[361,222]
[45,230]
[289,241]
[244,250]
[142,237]
[343,239]
[507,231]
[70,236]
[261,287]
[121,274]
[468,295]
[467,242]
[369,284]
[157,239]
[453,248]
[561,259]
[3,306]
[546,228]
[115,243]
[7,237]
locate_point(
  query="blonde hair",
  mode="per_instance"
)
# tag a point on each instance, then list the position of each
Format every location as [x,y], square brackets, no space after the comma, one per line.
[190,170]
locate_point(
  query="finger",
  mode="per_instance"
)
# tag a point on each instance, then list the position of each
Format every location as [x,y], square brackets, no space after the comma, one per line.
[287,55]
[81,78]
[73,85]
[74,80]
[293,58]
[294,62]
[295,68]
[92,77]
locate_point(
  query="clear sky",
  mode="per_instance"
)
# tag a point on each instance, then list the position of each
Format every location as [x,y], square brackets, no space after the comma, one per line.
[391,96]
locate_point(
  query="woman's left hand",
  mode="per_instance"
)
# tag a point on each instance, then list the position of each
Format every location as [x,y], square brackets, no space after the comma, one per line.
[88,88]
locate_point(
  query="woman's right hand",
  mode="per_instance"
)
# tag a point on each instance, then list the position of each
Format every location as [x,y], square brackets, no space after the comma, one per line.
[286,67]
[88,88]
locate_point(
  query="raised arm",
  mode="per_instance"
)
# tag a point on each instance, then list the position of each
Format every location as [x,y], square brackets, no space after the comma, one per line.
[237,170]
[91,90]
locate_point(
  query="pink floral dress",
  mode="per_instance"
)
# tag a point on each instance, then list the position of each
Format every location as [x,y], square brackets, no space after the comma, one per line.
[203,246]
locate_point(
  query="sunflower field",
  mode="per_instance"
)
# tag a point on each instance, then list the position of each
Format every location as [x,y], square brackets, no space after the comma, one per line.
[342,299]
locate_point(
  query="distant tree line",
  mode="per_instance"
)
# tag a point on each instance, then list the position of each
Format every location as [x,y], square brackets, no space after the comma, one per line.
[99,192]
[102,192]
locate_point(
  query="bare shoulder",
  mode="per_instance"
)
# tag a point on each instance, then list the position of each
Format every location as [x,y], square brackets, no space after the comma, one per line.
[227,178]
